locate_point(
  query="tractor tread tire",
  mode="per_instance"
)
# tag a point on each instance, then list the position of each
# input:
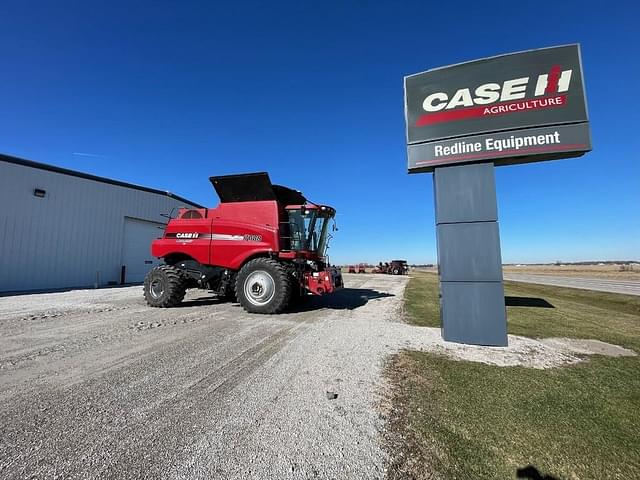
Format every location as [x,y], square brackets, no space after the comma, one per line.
[175,286]
[282,281]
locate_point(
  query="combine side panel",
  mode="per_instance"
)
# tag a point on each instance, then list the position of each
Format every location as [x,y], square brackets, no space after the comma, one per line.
[191,237]
[243,230]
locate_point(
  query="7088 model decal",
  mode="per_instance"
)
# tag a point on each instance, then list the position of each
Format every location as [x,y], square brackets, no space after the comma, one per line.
[184,236]
[253,238]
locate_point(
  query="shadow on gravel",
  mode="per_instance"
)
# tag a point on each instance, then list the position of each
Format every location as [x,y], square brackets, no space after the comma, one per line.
[345,299]
[527,302]
[199,302]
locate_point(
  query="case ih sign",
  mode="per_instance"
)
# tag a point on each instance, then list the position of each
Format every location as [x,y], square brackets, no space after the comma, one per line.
[515,108]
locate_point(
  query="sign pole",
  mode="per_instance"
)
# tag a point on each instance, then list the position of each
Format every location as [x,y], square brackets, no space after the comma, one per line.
[472,308]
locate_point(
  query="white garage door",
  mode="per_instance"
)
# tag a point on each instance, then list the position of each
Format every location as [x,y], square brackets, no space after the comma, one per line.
[136,251]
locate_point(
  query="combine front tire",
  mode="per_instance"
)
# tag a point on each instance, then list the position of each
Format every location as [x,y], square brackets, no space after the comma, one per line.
[164,286]
[263,286]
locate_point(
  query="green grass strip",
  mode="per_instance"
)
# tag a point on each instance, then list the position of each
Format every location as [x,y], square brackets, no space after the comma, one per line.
[462,419]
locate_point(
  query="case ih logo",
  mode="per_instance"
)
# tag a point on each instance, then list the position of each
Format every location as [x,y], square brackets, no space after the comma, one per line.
[187,235]
[545,91]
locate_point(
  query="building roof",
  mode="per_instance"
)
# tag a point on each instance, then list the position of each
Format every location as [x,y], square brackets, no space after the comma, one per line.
[95,178]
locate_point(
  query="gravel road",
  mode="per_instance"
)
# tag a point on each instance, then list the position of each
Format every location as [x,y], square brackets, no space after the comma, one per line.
[629,287]
[94,384]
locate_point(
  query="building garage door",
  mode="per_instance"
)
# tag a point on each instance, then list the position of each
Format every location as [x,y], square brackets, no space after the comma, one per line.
[136,251]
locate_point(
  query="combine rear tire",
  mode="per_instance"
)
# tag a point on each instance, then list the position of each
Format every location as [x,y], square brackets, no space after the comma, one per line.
[164,286]
[263,286]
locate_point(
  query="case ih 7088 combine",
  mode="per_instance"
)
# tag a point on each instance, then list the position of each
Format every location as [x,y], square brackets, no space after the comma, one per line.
[264,245]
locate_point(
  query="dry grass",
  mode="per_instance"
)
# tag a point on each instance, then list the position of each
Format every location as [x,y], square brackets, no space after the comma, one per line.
[613,272]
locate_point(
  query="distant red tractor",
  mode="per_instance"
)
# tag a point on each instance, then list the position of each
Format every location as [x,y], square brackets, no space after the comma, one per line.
[264,245]
[396,267]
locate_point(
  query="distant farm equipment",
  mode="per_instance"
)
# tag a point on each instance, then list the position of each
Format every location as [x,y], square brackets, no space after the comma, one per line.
[359,268]
[395,267]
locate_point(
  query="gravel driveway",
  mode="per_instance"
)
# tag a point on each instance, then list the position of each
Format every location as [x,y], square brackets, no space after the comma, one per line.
[94,384]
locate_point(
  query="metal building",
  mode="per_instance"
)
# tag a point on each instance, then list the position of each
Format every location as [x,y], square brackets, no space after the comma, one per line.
[61,228]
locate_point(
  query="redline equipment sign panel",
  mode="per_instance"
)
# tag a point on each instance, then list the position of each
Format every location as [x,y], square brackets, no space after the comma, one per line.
[515,108]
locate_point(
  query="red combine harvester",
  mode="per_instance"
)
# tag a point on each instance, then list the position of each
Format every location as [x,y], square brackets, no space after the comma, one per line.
[264,245]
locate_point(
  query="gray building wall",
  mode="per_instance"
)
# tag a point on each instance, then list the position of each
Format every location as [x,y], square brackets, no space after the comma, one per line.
[75,231]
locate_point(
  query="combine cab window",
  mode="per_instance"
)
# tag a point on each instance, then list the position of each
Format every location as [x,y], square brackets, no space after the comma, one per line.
[319,234]
[308,230]
[296,230]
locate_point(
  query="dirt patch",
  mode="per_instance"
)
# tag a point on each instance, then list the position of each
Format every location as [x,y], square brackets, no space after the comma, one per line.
[412,457]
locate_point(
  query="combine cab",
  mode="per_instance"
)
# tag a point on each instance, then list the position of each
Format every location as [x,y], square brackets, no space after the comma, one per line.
[264,245]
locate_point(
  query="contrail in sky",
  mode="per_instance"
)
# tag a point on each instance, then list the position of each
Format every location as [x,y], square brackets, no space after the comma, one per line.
[81,154]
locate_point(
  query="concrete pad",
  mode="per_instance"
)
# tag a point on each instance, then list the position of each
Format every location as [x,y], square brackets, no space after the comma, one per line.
[588,347]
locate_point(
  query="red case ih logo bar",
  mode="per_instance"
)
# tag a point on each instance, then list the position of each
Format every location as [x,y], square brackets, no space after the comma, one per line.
[448,109]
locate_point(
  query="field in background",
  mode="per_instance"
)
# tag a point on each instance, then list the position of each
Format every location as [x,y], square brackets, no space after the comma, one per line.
[611,271]
[467,420]
[614,271]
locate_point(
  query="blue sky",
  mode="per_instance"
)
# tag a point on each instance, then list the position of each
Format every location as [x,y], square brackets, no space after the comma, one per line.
[166,94]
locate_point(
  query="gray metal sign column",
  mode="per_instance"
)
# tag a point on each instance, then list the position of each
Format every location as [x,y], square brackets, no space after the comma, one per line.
[472,305]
